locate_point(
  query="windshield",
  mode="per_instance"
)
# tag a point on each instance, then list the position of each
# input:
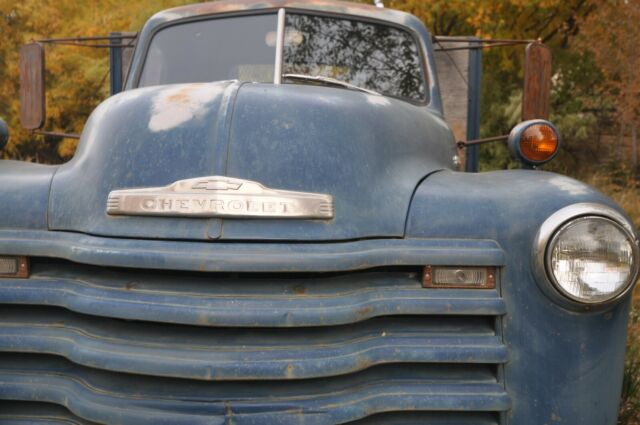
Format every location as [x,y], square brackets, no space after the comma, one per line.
[240,48]
[372,56]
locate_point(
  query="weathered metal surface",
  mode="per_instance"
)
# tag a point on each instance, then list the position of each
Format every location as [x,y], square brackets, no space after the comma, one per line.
[34,413]
[307,301]
[297,137]
[537,82]
[571,364]
[431,418]
[482,204]
[150,137]
[32,86]
[443,356]
[219,196]
[168,401]
[370,173]
[230,6]
[24,194]
[19,413]
[250,257]
[206,353]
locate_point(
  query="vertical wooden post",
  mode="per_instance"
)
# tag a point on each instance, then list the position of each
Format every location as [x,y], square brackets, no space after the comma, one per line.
[537,82]
[634,148]
[120,55]
[459,74]
[32,86]
[473,115]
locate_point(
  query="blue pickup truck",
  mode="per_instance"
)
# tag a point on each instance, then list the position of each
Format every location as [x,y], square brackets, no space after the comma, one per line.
[266,226]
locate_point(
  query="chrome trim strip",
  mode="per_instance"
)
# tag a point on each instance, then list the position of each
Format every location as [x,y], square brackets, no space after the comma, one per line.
[219,196]
[277,72]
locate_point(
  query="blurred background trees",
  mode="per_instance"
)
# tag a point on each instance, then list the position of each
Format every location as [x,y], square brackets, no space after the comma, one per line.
[596,73]
[596,82]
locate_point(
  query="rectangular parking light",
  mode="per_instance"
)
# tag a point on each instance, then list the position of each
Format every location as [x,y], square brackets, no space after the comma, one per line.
[459,277]
[11,266]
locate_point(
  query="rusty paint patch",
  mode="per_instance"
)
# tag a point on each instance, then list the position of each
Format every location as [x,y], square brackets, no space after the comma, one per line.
[289,372]
[364,312]
[299,290]
[177,105]
[130,285]
[180,97]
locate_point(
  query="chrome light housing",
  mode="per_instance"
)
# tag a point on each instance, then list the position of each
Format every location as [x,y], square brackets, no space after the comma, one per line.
[587,255]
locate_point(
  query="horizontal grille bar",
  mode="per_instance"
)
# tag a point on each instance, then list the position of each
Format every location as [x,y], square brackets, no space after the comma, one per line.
[229,353]
[19,413]
[123,346]
[34,413]
[256,302]
[250,257]
[430,418]
[106,397]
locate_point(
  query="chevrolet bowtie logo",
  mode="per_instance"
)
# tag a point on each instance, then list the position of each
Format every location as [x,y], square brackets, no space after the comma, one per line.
[216,185]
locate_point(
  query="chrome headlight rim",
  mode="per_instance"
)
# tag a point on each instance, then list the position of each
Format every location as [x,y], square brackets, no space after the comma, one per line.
[550,231]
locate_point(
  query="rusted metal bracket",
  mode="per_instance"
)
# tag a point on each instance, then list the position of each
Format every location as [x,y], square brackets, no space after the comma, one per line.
[481,43]
[464,143]
[91,41]
[57,134]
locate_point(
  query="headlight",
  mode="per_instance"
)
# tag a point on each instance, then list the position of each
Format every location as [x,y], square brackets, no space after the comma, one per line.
[589,254]
[590,260]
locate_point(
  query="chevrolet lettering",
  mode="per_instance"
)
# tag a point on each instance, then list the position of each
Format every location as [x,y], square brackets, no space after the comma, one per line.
[219,197]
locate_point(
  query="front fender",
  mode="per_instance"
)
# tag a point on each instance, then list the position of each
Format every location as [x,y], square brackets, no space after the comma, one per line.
[564,367]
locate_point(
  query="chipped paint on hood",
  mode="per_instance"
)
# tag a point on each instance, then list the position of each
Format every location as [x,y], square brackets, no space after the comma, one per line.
[178,104]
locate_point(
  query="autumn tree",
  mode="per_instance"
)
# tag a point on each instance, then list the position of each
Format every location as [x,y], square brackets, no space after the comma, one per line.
[77,77]
[611,34]
[78,80]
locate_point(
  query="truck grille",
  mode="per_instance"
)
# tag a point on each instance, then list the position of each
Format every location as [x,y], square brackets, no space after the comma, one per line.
[84,344]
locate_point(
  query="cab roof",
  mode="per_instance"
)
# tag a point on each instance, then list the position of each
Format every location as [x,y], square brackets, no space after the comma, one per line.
[333,6]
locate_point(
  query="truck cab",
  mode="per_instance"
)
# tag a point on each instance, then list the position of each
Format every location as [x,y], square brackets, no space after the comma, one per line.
[266,226]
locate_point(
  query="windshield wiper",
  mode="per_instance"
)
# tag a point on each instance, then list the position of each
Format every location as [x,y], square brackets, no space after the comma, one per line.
[327,80]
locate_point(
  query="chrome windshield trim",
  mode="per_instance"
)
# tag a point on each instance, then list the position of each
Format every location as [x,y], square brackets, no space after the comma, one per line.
[277,73]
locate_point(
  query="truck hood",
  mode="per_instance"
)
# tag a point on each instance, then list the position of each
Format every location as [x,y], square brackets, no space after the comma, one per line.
[367,152]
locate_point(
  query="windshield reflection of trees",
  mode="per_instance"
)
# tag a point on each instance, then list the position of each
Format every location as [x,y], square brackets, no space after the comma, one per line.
[376,57]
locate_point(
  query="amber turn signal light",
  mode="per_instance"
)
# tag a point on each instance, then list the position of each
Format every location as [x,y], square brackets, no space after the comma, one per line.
[14,267]
[534,142]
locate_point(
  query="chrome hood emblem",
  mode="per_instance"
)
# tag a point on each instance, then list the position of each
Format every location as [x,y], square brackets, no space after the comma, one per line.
[218,196]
